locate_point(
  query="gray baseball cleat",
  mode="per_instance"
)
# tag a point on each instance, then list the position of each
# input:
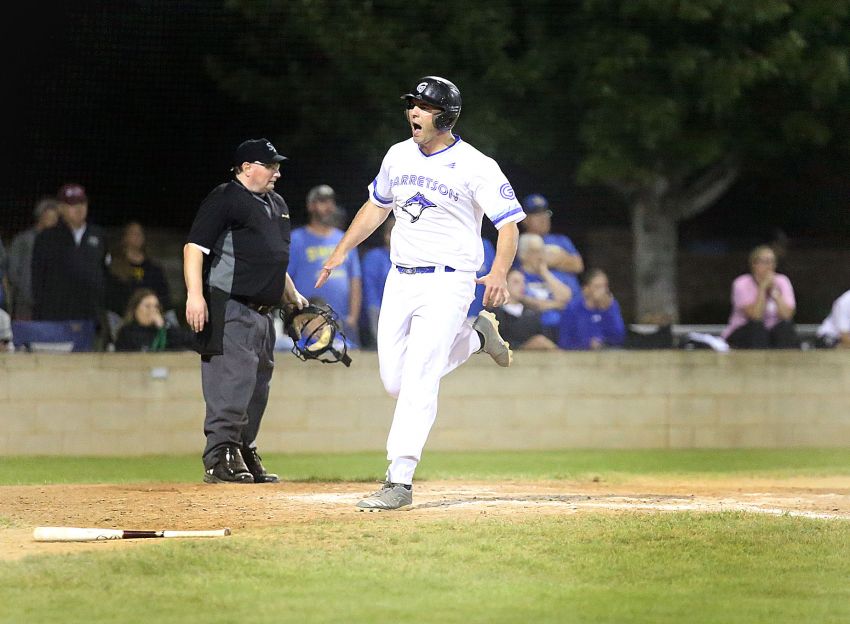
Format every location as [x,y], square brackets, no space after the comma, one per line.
[390,496]
[494,345]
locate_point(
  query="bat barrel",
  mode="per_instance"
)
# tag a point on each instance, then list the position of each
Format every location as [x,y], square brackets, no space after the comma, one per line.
[74,534]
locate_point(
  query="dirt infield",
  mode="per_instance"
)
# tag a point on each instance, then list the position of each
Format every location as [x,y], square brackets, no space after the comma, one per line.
[247,507]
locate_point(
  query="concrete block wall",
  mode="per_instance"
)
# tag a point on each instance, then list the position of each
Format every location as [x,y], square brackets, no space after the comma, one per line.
[139,404]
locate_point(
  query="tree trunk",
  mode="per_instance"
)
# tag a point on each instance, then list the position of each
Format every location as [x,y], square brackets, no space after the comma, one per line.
[654,232]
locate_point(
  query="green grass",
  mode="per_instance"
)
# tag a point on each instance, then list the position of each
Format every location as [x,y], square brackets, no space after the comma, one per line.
[601,568]
[443,465]
[621,568]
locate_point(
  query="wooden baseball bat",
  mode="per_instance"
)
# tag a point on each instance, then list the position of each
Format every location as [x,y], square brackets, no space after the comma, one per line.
[75,534]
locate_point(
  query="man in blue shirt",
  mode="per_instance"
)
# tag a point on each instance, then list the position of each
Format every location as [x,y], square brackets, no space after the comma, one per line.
[562,257]
[592,321]
[311,246]
[376,265]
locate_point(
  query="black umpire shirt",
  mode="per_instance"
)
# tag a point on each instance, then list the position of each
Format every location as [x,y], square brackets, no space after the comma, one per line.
[248,236]
[68,280]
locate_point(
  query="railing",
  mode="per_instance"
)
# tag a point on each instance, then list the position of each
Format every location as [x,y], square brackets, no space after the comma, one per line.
[805,331]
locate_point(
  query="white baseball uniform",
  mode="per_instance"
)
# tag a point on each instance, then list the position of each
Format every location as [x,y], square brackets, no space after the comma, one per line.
[439,201]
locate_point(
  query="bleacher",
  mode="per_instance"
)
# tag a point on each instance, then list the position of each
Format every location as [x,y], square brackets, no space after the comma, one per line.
[806,331]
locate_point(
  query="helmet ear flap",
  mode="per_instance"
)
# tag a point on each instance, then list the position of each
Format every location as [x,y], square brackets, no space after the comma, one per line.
[444,121]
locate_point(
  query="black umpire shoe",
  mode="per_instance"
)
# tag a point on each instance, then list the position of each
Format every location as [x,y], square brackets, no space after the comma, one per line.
[229,467]
[255,465]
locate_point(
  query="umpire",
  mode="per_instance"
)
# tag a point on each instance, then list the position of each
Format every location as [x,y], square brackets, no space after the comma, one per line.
[234,264]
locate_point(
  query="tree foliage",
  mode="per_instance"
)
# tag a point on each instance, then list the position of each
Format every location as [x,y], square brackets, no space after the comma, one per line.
[335,68]
[661,100]
[672,87]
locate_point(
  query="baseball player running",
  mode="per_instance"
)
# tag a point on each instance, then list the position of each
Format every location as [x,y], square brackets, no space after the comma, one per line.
[439,188]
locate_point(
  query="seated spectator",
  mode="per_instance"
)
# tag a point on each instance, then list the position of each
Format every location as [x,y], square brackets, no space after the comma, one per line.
[519,325]
[562,257]
[375,266]
[835,329]
[4,282]
[131,269]
[45,215]
[544,292]
[593,320]
[657,332]
[6,343]
[763,306]
[144,327]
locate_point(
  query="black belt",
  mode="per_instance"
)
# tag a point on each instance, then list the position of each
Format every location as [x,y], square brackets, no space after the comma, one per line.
[256,307]
[425,269]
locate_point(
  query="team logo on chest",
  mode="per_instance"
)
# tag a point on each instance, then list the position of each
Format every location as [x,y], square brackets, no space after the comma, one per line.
[416,205]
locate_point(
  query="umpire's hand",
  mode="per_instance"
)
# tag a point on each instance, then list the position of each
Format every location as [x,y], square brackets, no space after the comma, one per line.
[197,313]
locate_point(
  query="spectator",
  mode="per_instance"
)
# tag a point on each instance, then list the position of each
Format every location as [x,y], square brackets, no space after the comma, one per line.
[835,329]
[69,263]
[656,332]
[311,246]
[519,325]
[562,257]
[145,329]
[4,282]
[6,343]
[376,265]
[544,291]
[593,320]
[131,269]
[763,306]
[489,254]
[45,216]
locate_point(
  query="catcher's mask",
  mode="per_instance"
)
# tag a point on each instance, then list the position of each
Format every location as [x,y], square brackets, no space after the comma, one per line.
[315,334]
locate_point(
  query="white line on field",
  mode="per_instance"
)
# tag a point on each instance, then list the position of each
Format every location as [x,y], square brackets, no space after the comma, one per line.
[620,503]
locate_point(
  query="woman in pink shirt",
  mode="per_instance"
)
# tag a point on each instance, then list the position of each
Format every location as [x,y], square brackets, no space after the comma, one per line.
[763,306]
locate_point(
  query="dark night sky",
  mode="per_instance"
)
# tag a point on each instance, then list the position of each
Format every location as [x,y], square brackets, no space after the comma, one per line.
[116,97]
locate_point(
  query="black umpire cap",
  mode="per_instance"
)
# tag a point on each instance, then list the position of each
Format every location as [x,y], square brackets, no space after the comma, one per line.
[257,150]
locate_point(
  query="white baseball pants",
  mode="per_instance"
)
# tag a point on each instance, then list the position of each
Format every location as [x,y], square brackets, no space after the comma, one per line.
[422,336]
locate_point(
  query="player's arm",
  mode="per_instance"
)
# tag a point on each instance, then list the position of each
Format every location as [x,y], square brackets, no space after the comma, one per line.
[495,282]
[368,219]
[196,306]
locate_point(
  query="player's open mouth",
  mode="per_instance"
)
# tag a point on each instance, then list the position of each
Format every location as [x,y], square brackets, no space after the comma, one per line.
[417,129]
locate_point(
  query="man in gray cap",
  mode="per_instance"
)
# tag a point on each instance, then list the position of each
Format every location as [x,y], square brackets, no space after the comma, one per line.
[312,245]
